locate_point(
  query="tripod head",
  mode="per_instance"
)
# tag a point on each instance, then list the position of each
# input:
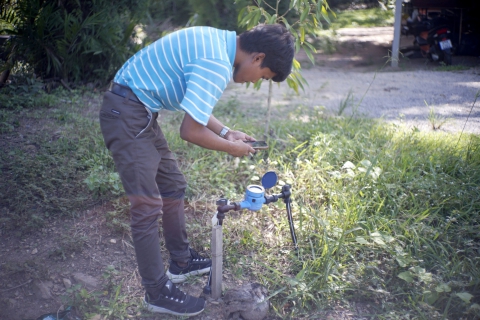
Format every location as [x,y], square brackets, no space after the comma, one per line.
[254,199]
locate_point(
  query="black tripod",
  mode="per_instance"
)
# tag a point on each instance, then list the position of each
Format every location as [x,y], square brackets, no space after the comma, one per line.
[214,285]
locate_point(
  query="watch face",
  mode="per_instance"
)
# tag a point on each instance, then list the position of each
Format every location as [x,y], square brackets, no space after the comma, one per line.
[223,132]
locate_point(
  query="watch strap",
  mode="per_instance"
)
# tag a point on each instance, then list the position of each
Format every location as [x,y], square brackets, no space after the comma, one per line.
[224,132]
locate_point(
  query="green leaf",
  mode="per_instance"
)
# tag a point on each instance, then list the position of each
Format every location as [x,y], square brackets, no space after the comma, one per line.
[309,54]
[310,47]
[361,240]
[255,20]
[273,19]
[296,64]
[297,44]
[304,14]
[418,270]
[443,287]
[285,22]
[425,277]
[257,84]
[465,296]
[377,238]
[402,261]
[267,16]
[325,15]
[430,297]
[407,276]
[241,14]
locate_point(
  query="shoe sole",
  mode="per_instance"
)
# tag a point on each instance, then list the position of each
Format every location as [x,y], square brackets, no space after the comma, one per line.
[178,278]
[152,308]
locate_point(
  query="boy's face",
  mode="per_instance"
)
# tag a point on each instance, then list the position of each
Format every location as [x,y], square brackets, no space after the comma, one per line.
[249,69]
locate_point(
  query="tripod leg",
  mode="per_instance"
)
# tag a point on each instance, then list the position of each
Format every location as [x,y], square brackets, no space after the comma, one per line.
[292,227]
[208,288]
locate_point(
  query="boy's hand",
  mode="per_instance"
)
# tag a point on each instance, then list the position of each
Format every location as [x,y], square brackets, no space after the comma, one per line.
[241,149]
[234,135]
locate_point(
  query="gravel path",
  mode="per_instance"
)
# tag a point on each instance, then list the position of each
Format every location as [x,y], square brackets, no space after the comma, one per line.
[406,94]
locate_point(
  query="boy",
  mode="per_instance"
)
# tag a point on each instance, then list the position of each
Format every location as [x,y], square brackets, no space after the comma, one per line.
[187,71]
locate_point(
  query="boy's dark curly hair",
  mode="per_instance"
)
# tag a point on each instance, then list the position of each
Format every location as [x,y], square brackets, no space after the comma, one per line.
[276,42]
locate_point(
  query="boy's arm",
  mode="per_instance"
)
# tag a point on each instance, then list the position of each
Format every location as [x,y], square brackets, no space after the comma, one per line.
[216,126]
[196,133]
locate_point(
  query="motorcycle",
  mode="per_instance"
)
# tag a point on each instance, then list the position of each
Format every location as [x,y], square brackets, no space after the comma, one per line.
[432,37]
[436,44]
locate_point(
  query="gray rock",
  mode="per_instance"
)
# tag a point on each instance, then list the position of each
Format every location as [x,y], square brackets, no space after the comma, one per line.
[248,302]
[42,289]
[87,281]
[67,283]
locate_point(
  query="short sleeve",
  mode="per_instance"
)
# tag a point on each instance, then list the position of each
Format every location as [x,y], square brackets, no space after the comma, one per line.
[206,79]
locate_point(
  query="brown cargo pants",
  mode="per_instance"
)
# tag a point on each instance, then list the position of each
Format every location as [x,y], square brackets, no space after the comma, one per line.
[152,181]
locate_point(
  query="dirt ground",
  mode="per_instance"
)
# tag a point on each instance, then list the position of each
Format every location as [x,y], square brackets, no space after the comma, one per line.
[34,274]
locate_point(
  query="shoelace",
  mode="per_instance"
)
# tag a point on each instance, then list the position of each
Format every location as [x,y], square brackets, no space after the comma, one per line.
[178,295]
[196,256]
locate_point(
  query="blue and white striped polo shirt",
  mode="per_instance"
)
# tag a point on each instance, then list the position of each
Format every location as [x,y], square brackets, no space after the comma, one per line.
[186,70]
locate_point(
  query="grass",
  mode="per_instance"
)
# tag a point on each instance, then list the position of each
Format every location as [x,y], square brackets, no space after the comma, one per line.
[457,67]
[373,17]
[49,154]
[436,121]
[386,217]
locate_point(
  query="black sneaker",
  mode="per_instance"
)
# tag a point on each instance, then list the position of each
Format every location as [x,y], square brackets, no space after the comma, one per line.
[172,300]
[196,265]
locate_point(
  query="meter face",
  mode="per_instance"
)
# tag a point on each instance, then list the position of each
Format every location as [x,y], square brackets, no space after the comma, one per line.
[256,189]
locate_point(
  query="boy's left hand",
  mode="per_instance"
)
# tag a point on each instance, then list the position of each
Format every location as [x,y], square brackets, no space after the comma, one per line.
[234,135]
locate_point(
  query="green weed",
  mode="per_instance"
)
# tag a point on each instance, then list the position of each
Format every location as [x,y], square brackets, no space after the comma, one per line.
[436,121]
[68,245]
[346,103]
[457,67]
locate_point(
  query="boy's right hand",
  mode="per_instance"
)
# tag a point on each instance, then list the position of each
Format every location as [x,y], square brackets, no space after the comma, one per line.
[241,149]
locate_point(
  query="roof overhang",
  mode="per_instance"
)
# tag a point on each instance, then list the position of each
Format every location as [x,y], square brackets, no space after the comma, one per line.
[443,3]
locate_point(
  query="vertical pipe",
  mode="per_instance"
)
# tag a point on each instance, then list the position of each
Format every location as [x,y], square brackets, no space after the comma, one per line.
[396,33]
[217,257]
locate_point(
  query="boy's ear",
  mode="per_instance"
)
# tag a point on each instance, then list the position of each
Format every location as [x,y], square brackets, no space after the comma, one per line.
[258,58]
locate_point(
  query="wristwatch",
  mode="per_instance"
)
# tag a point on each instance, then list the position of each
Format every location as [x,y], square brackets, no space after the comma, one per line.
[224,131]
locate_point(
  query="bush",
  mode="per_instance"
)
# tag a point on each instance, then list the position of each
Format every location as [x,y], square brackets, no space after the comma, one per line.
[217,13]
[73,41]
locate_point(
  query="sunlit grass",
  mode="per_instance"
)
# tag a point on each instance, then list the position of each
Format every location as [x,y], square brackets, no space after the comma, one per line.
[373,17]
[384,215]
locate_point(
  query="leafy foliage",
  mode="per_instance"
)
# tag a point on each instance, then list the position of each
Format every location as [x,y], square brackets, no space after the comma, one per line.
[75,41]
[177,11]
[217,13]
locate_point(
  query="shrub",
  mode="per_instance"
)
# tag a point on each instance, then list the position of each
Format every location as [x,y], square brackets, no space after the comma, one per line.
[72,41]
